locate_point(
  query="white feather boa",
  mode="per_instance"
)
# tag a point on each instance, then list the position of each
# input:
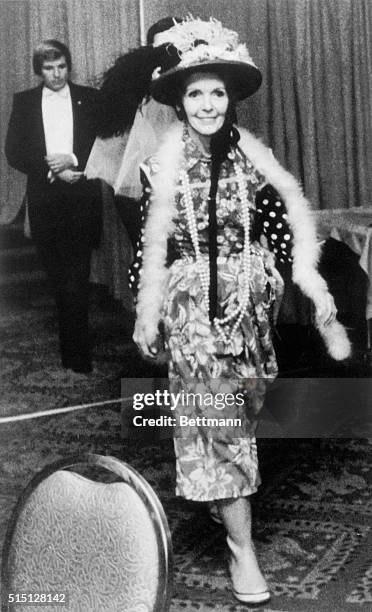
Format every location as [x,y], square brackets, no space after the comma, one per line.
[159,227]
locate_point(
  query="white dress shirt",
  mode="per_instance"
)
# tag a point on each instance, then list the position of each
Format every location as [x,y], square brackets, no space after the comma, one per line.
[57,120]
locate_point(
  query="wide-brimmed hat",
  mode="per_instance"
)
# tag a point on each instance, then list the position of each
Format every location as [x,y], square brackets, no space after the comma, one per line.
[203,46]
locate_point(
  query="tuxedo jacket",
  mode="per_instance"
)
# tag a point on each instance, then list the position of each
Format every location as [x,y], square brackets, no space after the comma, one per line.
[25,143]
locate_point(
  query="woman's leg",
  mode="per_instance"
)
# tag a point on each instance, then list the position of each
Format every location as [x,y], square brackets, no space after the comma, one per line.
[246,575]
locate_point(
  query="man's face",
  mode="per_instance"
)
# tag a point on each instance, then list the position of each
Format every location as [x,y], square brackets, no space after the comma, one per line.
[55,73]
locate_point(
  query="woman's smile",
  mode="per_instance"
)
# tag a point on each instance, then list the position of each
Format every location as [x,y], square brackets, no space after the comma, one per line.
[205,103]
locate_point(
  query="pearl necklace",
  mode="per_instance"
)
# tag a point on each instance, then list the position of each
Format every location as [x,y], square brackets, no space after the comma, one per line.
[227,326]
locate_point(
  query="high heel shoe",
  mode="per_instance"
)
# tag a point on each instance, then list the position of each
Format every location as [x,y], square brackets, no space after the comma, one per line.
[252,599]
[243,564]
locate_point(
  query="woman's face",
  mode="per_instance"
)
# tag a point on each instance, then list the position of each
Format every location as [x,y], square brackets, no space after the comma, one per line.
[205,102]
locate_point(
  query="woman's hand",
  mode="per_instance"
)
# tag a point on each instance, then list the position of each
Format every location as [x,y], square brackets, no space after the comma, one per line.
[279,292]
[146,341]
[325,309]
[279,284]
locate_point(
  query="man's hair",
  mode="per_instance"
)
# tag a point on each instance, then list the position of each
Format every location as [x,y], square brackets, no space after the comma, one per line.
[50,50]
[161,26]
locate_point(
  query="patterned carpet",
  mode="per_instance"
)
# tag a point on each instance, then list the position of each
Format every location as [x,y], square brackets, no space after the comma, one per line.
[312,513]
[29,344]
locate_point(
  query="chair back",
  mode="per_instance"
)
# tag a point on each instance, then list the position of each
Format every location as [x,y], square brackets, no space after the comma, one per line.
[100,546]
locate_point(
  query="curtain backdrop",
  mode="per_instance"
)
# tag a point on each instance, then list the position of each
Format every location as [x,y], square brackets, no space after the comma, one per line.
[314,107]
[315,104]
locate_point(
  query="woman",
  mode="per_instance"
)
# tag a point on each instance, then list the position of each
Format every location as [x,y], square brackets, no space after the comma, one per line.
[129,121]
[212,191]
[129,124]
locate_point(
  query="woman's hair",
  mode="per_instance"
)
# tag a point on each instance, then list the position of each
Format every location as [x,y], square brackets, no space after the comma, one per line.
[127,83]
[50,50]
[226,137]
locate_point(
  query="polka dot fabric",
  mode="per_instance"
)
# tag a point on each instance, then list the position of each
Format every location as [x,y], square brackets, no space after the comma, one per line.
[135,268]
[274,223]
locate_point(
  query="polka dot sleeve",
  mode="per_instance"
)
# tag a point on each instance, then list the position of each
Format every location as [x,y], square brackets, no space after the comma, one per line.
[273,223]
[135,268]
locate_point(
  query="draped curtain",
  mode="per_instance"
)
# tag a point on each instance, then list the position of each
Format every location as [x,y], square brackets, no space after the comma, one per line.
[314,107]
[315,104]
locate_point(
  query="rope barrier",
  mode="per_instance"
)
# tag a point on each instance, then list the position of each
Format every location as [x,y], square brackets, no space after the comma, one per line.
[52,411]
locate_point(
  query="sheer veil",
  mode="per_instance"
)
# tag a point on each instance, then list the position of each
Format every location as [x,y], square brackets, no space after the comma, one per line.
[116,160]
[151,122]
[131,126]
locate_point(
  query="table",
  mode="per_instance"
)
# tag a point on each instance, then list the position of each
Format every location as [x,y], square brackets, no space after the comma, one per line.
[353,226]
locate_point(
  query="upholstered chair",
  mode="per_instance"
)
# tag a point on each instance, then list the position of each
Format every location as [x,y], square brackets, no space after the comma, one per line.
[104,546]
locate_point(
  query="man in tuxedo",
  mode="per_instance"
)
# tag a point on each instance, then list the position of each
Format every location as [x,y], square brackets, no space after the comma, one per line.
[50,135]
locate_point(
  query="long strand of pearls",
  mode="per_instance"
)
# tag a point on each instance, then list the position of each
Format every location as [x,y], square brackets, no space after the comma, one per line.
[225,331]
[191,221]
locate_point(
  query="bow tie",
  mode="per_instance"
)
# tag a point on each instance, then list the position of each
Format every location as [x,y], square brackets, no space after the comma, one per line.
[62,93]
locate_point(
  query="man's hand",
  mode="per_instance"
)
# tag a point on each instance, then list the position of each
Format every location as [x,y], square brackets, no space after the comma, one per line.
[58,162]
[69,176]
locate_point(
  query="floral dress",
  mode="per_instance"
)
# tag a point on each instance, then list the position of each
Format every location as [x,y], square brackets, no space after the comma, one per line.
[218,461]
